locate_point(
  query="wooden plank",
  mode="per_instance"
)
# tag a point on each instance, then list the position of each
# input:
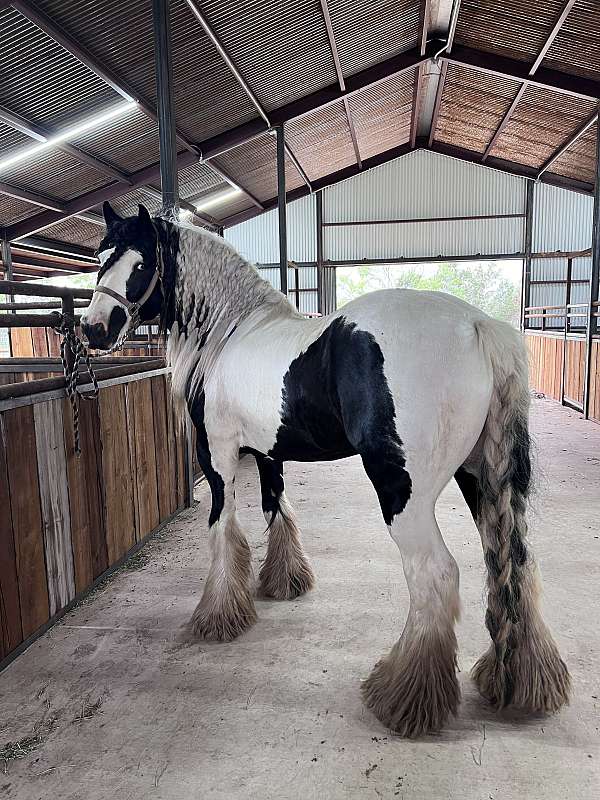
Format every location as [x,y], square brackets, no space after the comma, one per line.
[86,493]
[118,487]
[11,630]
[40,342]
[21,342]
[164,477]
[21,454]
[54,497]
[143,453]
[172,452]
[53,343]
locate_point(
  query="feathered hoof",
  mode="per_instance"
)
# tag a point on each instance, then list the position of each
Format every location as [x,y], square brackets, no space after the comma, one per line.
[226,621]
[286,581]
[413,696]
[534,678]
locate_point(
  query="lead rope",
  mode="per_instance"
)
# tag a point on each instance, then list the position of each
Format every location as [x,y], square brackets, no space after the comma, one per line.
[66,329]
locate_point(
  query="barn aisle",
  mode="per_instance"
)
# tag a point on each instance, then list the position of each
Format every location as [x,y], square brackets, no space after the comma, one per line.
[115,701]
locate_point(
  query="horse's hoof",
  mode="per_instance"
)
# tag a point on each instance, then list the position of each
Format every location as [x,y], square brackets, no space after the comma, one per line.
[413,691]
[286,584]
[223,625]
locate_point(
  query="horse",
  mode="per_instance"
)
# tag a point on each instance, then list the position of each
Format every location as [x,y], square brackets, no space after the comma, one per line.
[421,385]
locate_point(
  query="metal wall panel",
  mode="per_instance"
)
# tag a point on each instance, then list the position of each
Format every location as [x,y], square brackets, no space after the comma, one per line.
[562,219]
[424,239]
[423,185]
[257,240]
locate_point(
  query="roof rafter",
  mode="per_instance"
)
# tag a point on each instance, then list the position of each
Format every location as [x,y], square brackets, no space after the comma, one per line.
[93,198]
[340,77]
[95,65]
[533,69]
[242,82]
[568,144]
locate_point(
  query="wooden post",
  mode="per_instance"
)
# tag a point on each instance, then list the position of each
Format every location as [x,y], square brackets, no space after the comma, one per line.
[68,310]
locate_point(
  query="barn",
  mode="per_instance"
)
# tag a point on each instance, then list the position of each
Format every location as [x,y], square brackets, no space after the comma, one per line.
[339,147]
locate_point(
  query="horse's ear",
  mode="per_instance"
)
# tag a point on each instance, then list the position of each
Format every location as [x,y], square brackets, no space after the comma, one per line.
[144,215]
[110,215]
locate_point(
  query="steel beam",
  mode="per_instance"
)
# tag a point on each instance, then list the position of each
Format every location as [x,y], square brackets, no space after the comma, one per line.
[93,198]
[438,102]
[7,264]
[526,280]
[82,54]
[340,77]
[425,10]
[592,320]
[281,208]
[414,120]
[453,23]
[32,197]
[568,144]
[235,184]
[41,134]
[532,70]
[161,21]
[242,82]
[319,228]
[513,69]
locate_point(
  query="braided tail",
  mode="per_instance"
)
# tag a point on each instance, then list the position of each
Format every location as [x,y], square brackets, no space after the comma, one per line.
[523,666]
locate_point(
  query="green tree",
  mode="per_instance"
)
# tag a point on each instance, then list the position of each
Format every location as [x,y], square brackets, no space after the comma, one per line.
[482,284]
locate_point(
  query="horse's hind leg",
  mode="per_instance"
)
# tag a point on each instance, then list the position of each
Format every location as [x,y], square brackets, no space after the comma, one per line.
[285,573]
[414,688]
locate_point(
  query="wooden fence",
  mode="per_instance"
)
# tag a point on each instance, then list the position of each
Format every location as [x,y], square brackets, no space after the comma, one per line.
[66,520]
[557,368]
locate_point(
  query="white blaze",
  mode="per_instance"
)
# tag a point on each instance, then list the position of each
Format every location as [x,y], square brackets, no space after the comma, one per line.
[115,278]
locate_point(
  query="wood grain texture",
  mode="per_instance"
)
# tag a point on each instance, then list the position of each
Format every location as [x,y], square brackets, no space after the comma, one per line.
[21,454]
[11,630]
[40,342]
[116,471]
[164,477]
[54,499]
[86,493]
[142,455]
[21,342]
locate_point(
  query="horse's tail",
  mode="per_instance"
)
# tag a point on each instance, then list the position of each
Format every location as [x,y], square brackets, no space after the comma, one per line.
[505,480]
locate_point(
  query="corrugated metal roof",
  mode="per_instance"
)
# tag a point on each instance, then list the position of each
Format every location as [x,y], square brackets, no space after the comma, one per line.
[579,161]
[540,124]
[41,81]
[511,27]
[54,173]
[14,210]
[382,114]
[130,142]
[576,49]
[11,141]
[473,105]
[75,231]
[254,164]
[370,31]
[322,141]
[280,62]
[197,178]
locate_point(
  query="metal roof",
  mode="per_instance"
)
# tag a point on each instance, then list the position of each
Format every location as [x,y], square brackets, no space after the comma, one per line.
[355,82]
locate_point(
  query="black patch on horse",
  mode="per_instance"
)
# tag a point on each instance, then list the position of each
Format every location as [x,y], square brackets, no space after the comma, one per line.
[336,403]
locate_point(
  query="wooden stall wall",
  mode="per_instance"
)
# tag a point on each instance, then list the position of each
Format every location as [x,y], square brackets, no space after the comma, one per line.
[545,364]
[65,520]
[546,369]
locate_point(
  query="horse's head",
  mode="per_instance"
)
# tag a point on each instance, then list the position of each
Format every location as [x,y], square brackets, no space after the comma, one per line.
[128,290]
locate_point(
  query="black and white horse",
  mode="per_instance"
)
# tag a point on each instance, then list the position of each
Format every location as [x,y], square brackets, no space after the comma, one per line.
[421,385]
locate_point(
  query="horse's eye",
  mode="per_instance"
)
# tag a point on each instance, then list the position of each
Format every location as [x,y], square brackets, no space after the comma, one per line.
[139,267]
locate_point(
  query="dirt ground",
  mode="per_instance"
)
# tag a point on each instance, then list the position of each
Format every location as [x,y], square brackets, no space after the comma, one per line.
[114,702]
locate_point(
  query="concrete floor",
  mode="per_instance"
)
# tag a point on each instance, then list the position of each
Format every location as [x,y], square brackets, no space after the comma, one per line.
[123,707]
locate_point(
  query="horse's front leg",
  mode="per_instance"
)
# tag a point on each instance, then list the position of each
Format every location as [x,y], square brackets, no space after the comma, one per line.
[227,607]
[285,573]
